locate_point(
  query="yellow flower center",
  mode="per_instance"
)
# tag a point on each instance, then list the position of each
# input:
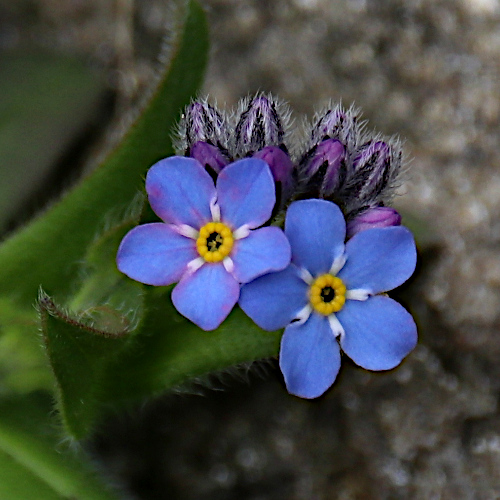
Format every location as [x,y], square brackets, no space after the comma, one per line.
[327,294]
[215,241]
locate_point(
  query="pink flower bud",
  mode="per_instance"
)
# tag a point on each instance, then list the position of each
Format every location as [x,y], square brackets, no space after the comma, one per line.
[373,217]
[281,167]
[209,156]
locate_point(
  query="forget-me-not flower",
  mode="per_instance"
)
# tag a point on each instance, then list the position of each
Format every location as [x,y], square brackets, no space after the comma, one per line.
[208,241]
[331,291]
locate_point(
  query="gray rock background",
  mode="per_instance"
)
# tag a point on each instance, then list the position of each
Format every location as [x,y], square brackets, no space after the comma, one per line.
[427,70]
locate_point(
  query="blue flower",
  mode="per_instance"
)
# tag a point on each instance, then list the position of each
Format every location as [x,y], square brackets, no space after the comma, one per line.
[207,243]
[333,290]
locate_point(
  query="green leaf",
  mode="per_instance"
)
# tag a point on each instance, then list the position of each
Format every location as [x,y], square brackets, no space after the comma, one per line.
[79,354]
[33,461]
[171,350]
[23,365]
[47,252]
[96,369]
[103,286]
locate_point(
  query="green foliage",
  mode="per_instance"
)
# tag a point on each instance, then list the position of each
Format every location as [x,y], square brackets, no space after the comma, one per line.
[79,355]
[171,350]
[22,363]
[95,368]
[35,463]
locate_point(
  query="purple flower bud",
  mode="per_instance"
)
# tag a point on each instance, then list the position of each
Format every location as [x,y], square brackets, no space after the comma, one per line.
[202,122]
[260,125]
[324,168]
[373,217]
[375,167]
[330,124]
[372,155]
[209,156]
[281,167]
[279,162]
[336,123]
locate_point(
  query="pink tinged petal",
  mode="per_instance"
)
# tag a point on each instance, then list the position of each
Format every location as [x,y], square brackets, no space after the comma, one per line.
[316,231]
[180,191]
[155,254]
[262,251]
[246,193]
[379,259]
[309,357]
[274,300]
[379,332]
[206,296]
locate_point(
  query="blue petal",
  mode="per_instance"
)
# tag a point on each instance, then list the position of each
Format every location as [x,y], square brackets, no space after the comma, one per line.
[262,251]
[207,296]
[309,357]
[180,191]
[379,259]
[155,254]
[246,193]
[379,332]
[273,300]
[316,231]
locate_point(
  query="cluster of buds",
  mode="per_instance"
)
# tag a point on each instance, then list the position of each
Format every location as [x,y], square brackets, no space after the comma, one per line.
[337,160]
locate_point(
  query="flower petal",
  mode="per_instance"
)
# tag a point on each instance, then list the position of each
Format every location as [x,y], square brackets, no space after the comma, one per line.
[155,254]
[273,300]
[309,357]
[206,296]
[246,193]
[379,259]
[262,251]
[379,332]
[180,190]
[316,231]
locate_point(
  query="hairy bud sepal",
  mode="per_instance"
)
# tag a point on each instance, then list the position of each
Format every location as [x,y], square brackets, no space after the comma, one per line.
[374,170]
[202,122]
[324,168]
[262,122]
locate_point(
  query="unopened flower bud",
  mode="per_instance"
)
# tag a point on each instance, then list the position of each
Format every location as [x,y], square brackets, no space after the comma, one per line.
[202,122]
[373,217]
[209,156]
[281,167]
[375,167]
[336,123]
[323,168]
[260,125]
